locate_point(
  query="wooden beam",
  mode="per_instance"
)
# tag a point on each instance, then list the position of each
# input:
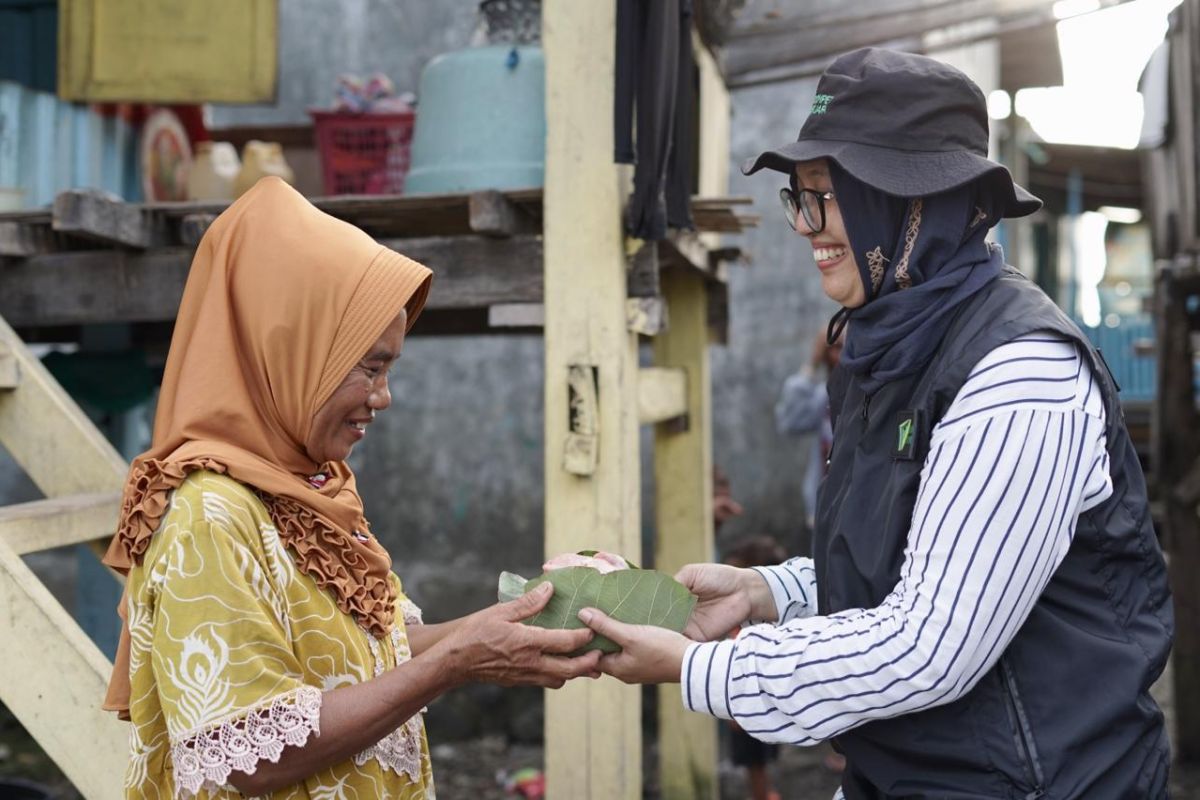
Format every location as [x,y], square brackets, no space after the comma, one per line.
[17,239]
[193,227]
[48,435]
[59,521]
[593,728]
[662,394]
[517,315]
[95,215]
[684,523]
[10,370]
[52,677]
[492,214]
[121,286]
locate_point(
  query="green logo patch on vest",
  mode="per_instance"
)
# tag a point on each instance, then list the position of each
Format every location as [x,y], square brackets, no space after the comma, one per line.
[821,103]
[908,431]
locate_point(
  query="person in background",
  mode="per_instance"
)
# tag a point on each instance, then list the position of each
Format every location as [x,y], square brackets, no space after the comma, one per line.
[803,408]
[987,605]
[725,506]
[755,756]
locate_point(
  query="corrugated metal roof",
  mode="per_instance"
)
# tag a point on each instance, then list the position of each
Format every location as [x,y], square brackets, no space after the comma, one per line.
[47,145]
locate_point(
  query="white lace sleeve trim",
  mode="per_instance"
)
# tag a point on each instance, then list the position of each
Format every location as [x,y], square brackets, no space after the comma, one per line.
[204,759]
[411,612]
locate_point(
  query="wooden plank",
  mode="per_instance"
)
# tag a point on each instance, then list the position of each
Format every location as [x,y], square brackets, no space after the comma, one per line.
[684,524]
[122,286]
[94,286]
[52,678]
[17,239]
[592,728]
[10,370]
[662,394]
[59,521]
[193,227]
[95,215]
[493,214]
[48,435]
[517,315]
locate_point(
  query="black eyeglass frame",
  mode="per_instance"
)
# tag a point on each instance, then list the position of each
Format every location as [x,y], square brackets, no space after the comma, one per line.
[793,206]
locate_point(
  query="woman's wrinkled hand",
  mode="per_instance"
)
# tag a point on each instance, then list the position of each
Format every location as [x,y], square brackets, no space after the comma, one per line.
[649,654]
[493,646]
[725,598]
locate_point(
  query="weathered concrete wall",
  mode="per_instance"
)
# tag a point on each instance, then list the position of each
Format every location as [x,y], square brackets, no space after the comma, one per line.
[319,40]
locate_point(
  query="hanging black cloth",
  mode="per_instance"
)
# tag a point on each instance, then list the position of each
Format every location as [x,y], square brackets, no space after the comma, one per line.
[655,84]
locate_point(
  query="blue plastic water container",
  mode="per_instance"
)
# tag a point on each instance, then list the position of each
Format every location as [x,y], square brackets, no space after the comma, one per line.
[481,121]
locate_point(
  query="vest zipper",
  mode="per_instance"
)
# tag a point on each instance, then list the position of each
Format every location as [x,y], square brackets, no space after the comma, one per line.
[1022,734]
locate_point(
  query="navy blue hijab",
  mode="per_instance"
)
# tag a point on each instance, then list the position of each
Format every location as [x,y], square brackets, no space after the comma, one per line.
[920,259]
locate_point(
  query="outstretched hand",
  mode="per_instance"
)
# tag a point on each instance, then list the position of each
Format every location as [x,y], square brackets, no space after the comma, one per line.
[649,654]
[726,597]
[492,646]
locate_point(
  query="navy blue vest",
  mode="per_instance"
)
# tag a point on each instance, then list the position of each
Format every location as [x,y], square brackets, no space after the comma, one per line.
[1066,712]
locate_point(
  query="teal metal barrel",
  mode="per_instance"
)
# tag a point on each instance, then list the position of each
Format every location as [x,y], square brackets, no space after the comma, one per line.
[481,121]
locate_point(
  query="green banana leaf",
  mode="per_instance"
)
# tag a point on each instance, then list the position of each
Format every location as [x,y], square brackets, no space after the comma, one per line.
[635,596]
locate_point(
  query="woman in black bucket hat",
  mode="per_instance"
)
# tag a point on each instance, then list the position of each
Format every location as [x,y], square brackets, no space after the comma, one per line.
[987,605]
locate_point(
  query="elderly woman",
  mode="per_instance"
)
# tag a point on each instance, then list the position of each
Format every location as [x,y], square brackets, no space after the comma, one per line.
[269,648]
[987,604]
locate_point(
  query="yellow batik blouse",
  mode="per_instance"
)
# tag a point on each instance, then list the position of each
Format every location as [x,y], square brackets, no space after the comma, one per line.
[232,647]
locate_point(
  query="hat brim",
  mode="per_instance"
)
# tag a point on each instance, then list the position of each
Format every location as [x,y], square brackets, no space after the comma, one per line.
[903,173]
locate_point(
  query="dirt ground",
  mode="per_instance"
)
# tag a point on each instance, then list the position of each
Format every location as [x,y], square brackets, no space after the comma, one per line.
[475,769]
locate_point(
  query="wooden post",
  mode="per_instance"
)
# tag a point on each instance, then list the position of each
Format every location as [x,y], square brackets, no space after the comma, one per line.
[593,728]
[687,741]
[1177,441]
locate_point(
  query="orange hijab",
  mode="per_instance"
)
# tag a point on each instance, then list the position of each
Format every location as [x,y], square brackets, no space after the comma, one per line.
[281,302]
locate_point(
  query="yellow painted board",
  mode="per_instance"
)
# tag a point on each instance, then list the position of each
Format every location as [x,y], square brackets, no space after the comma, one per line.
[53,679]
[593,728]
[182,51]
[684,523]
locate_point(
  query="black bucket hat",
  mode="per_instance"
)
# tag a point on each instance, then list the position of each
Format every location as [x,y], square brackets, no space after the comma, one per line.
[905,124]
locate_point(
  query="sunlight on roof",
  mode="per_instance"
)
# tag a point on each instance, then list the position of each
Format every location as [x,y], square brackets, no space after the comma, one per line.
[1103,55]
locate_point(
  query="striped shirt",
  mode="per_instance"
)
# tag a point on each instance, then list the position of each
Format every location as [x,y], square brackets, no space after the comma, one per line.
[1020,453]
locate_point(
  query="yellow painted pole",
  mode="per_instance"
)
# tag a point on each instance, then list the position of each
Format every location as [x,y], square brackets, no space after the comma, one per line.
[687,742]
[684,525]
[593,731]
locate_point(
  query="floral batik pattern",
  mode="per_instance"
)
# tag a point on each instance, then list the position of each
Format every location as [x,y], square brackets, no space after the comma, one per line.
[232,649]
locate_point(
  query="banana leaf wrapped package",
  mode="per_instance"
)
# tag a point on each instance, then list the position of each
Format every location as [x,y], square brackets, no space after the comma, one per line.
[591,579]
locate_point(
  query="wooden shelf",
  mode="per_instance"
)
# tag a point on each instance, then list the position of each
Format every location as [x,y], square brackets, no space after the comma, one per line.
[92,259]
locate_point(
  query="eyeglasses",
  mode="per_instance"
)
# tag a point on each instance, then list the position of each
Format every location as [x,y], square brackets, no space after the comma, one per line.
[806,203]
